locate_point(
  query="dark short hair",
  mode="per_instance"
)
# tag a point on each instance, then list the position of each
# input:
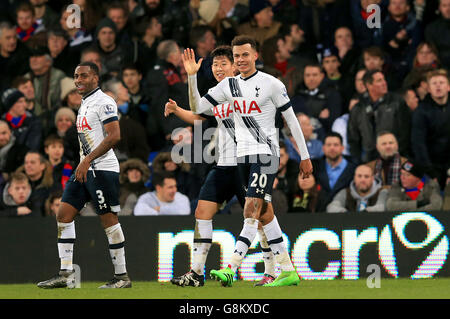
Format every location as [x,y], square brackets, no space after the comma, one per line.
[223,50]
[159,177]
[92,66]
[368,76]
[244,39]
[374,51]
[314,65]
[334,134]
[131,66]
[198,33]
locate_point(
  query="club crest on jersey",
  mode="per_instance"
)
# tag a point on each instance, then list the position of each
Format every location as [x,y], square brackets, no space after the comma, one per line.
[243,109]
[222,111]
[257,91]
[82,124]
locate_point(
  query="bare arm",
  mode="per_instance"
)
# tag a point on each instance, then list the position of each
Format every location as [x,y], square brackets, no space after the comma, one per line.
[185,115]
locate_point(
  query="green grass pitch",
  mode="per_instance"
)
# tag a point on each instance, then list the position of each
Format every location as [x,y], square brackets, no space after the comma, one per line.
[342,289]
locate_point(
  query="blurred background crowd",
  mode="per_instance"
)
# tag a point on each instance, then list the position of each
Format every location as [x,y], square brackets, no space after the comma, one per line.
[369,87]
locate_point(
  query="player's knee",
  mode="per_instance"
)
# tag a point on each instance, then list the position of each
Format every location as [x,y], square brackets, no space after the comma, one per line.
[253,208]
[203,213]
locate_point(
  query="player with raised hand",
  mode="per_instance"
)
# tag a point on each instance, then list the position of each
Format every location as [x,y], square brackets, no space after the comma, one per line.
[96,179]
[223,181]
[256,96]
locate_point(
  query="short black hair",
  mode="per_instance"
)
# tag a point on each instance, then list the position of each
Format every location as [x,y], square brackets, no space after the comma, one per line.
[223,50]
[159,177]
[92,66]
[198,33]
[334,134]
[368,76]
[131,66]
[244,39]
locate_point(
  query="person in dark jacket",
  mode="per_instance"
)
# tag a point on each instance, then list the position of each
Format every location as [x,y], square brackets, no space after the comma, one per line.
[382,111]
[316,99]
[11,152]
[430,134]
[16,198]
[333,171]
[26,128]
[134,173]
[438,32]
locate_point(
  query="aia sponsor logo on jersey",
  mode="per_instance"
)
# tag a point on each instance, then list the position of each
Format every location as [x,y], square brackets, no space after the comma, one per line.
[223,111]
[82,124]
[243,108]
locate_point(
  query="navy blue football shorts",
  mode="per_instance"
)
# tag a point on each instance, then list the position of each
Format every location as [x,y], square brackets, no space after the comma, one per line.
[221,184]
[258,173]
[102,190]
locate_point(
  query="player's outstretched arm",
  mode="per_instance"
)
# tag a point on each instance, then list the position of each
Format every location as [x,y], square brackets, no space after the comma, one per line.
[306,167]
[185,115]
[190,65]
[112,138]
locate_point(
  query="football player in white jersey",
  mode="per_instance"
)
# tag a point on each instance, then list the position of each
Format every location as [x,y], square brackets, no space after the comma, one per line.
[256,96]
[223,181]
[96,179]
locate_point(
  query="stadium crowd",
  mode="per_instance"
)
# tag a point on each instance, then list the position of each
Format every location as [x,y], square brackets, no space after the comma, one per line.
[372,100]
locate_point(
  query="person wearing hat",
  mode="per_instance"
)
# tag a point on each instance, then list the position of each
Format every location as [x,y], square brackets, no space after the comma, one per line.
[26,128]
[261,26]
[343,83]
[133,175]
[113,56]
[415,190]
[46,80]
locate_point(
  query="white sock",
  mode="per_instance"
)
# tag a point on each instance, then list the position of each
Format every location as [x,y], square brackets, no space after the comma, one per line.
[66,239]
[116,242]
[202,244]
[269,260]
[243,242]
[276,243]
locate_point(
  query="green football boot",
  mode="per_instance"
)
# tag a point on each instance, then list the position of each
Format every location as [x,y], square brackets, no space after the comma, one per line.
[225,276]
[286,278]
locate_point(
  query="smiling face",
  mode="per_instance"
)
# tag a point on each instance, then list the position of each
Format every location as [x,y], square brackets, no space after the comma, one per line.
[85,79]
[222,68]
[167,191]
[245,58]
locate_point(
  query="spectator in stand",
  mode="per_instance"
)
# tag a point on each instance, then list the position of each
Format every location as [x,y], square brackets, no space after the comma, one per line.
[134,173]
[261,26]
[287,172]
[64,57]
[223,16]
[11,152]
[92,54]
[119,14]
[164,82]
[306,193]
[285,11]
[69,95]
[295,41]
[52,203]
[362,20]
[415,191]
[16,198]
[133,142]
[411,98]
[25,86]
[319,101]
[348,53]
[150,31]
[312,142]
[79,38]
[14,56]
[333,171]
[401,34]
[44,14]
[66,129]
[276,57]
[165,200]
[342,82]
[113,56]
[374,58]
[46,81]
[203,40]
[40,175]
[387,166]
[438,33]
[365,194]
[426,59]
[430,134]
[62,168]
[27,28]
[26,128]
[383,111]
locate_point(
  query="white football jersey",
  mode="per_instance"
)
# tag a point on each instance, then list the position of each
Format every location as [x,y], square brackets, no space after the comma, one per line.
[254,101]
[96,109]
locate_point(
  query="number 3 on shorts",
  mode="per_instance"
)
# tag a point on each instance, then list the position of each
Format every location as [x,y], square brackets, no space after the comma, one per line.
[262,180]
[101,199]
